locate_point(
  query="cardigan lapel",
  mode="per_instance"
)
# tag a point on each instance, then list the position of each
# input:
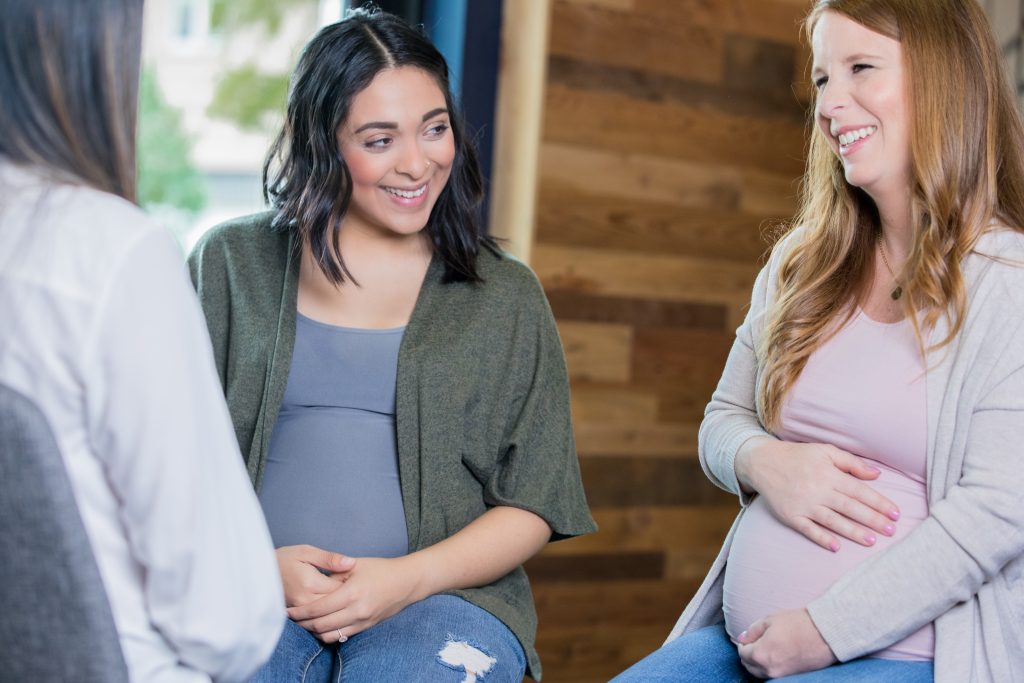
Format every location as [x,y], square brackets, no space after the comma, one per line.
[280,361]
[415,342]
[939,364]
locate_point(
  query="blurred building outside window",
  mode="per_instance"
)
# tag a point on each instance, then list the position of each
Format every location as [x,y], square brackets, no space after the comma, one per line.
[214,87]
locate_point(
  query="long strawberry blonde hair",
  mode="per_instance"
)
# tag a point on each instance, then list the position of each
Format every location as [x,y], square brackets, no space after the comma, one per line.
[967,151]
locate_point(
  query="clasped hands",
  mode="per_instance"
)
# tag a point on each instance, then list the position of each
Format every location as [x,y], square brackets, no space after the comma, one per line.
[350,597]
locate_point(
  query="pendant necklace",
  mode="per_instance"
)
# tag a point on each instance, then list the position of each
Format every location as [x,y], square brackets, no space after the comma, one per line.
[898,292]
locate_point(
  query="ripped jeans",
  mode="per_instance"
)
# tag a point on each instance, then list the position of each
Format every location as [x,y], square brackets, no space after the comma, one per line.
[443,638]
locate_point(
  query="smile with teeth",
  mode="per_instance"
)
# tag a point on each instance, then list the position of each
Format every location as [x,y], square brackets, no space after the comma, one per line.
[407,194]
[850,137]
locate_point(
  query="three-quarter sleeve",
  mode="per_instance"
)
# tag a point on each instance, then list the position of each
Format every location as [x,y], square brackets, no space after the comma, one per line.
[538,469]
[158,421]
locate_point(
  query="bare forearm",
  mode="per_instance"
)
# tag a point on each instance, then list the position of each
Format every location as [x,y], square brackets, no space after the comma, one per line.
[488,548]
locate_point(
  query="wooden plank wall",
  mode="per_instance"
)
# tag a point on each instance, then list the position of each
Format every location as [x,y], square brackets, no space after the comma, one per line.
[673,136]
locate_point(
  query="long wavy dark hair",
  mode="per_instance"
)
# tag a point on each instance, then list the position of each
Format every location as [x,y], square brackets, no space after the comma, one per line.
[305,177]
[69,81]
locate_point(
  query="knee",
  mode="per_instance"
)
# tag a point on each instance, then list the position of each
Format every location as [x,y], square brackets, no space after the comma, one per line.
[463,656]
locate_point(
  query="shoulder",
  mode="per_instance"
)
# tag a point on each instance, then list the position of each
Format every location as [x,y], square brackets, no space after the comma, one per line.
[73,238]
[997,265]
[767,283]
[252,233]
[507,279]
[243,249]
[101,222]
[789,240]
[507,302]
[1001,242]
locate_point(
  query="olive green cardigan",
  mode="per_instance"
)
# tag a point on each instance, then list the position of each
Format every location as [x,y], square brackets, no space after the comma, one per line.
[482,405]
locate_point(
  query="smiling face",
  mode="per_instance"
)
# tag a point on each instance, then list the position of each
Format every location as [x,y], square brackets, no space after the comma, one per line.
[399,148]
[862,105]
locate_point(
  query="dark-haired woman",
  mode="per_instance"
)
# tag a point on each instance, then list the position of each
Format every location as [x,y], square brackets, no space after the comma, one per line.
[396,381]
[102,330]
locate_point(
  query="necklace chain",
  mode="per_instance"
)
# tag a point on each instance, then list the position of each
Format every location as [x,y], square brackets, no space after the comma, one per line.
[898,292]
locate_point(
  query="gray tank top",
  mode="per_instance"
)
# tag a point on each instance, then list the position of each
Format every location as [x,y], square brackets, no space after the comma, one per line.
[331,478]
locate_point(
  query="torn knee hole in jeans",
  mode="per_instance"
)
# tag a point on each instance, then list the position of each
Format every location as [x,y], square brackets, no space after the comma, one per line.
[461,655]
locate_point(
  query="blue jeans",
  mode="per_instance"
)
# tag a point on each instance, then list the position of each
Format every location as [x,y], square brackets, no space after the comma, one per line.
[426,641]
[709,655]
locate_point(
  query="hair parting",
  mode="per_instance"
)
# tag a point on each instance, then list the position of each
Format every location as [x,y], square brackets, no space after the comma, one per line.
[305,177]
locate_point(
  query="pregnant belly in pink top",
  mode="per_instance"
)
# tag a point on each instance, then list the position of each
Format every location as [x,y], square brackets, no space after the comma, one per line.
[862,391]
[772,568]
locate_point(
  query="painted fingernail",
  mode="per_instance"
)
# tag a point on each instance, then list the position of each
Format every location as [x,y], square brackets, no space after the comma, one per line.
[889,529]
[870,539]
[894,515]
[833,546]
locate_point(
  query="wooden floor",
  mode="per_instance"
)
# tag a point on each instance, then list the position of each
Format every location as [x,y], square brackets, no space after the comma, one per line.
[673,136]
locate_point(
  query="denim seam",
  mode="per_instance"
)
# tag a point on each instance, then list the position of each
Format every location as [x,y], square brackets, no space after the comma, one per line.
[309,662]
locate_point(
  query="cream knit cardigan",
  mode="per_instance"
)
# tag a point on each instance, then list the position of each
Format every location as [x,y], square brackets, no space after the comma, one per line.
[963,567]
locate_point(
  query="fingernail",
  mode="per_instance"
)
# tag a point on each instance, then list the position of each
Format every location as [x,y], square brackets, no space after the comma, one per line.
[889,529]
[870,539]
[894,515]
[873,468]
[743,637]
[833,546]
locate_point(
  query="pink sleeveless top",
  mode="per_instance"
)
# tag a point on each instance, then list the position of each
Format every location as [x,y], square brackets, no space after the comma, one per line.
[863,391]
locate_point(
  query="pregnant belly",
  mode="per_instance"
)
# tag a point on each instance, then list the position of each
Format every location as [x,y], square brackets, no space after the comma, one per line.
[331,481]
[772,568]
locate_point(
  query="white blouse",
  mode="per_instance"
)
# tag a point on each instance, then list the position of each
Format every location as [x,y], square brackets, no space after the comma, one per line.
[100,326]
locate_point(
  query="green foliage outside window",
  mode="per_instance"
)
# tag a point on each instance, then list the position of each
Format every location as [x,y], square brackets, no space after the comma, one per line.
[226,15]
[247,96]
[169,185]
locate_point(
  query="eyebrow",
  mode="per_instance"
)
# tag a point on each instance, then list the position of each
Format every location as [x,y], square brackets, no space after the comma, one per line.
[391,125]
[860,56]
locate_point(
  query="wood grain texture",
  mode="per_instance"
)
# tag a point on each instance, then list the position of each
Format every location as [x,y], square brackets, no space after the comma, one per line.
[673,357]
[684,183]
[619,404]
[777,20]
[672,144]
[617,122]
[614,273]
[616,481]
[575,219]
[597,351]
[611,4]
[598,567]
[646,86]
[569,304]
[649,529]
[668,44]
[596,439]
